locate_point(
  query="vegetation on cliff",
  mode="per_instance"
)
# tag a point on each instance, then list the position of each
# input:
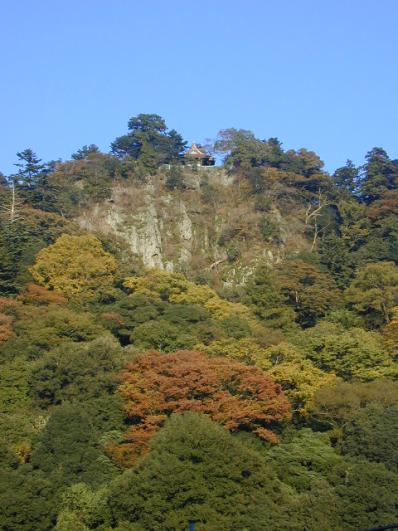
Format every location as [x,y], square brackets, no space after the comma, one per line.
[183,343]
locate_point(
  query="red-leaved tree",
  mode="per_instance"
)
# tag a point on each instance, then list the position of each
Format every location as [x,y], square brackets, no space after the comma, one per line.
[156,385]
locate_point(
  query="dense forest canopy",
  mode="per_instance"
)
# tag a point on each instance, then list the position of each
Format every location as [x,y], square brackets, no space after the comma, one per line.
[137,398]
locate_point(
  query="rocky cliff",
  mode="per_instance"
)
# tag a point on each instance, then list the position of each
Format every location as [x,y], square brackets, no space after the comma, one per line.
[212,226]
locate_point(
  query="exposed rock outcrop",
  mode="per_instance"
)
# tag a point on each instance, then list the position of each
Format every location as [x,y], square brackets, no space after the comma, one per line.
[193,232]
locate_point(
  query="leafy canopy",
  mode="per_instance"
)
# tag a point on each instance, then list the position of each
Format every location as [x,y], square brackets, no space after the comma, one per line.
[149,142]
[233,394]
[75,265]
[197,471]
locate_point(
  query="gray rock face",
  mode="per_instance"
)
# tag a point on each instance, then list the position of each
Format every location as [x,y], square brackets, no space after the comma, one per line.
[149,227]
[186,231]
[141,228]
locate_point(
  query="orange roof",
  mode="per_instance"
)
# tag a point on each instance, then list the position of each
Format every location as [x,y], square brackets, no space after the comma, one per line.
[196,151]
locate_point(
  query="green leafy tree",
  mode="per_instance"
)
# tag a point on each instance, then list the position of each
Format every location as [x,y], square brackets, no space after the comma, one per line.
[346,177]
[30,167]
[306,462]
[305,163]
[336,255]
[85,151]
[304,457]
[81,507]
[14,385]
[240,147]
[161,335]
[42,330]
[374,293]
[335,493]
[337,405]
[149,142]
[354,353]
[122,317]
[28,499]
[77,372]
[310,292]
[33,182]
[368,492]
[264,294]
[21,240]
[379,175]
[197,471]
[372,434]
[70,446]
[8,266]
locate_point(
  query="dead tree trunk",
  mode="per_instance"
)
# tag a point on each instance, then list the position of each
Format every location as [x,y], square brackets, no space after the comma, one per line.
[312,213]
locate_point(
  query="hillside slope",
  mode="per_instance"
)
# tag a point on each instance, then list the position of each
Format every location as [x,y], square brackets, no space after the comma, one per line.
[181,342]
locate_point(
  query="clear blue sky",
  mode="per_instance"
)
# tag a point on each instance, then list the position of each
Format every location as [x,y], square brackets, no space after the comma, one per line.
[320,74]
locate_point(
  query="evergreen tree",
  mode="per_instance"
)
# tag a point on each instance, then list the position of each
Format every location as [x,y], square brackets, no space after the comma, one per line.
[197,471]
[30,167]
[346,177]
[83,152]
[33,181]
[372,434]
[379,174]
[149,142]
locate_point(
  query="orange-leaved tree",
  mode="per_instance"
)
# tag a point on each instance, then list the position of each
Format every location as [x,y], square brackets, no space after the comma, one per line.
[156,385]
[6,320]
[37,295]
[6,327]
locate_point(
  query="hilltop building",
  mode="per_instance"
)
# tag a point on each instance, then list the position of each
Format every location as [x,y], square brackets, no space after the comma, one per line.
[197,156]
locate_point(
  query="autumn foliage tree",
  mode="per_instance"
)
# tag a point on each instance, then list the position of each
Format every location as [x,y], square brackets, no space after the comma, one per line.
[74,265]
[5,327]
[390,332]
[234,395]
[37,295]
[6,320]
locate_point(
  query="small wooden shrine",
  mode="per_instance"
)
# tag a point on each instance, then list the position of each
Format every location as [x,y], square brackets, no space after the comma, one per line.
[197,156]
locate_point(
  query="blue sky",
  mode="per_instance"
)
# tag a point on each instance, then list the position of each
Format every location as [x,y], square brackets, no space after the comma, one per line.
[320,74]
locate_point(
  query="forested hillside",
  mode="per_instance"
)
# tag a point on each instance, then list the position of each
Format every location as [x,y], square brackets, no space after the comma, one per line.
[185,343]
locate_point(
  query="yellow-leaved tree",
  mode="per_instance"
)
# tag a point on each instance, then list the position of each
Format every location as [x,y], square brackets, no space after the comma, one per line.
[390,333]
[75,266]
[299,377]
[175,288]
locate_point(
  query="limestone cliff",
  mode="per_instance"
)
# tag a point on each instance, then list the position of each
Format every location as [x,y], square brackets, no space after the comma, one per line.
[211,226]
